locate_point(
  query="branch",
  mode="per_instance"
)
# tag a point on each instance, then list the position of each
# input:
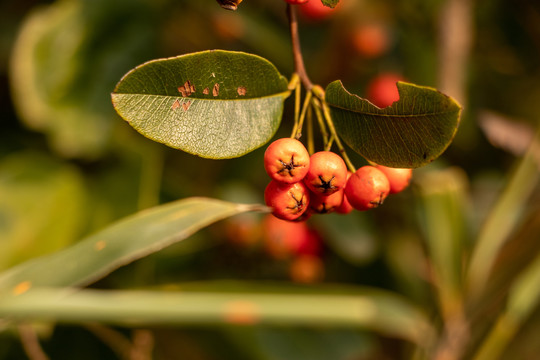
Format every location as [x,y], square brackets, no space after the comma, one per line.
[299,67]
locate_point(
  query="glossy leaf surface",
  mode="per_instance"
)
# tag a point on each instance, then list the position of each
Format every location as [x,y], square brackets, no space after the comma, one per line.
[214,104]
[410,133]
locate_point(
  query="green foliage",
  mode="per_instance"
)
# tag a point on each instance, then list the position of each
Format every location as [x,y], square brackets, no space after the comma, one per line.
[119,244]
[64,64]
[452,260]
[40,198]
[381,311]
[215,104]
[411,133]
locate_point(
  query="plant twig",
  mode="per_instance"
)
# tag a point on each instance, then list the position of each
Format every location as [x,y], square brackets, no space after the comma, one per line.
[299,67]
[30,343]
[335,136]
[112,338]
[297,131]
[311,143]
[317,107]
[297,100]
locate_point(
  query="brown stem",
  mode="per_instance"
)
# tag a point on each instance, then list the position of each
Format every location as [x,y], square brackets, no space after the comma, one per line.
[299,67]
[30,343]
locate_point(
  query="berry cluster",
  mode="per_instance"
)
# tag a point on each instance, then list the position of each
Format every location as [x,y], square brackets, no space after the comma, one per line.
[302,184]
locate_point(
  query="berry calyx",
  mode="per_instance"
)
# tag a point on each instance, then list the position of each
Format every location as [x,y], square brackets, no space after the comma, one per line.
[286,160]
[321,204]
[399,178]
[288,201]
[367,188]
[327,173]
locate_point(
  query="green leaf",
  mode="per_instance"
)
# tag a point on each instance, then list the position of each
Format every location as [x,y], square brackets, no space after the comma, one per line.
[43,206]
[214,104]
[411,133]
[523,299]
[119,244]
[58,52]
[381,311]
[443,209]
[330,3]
[502,221]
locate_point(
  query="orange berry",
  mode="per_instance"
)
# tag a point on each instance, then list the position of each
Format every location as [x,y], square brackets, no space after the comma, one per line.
[399,178]
[327,173]
[286,160]
[288,201]
[367,188]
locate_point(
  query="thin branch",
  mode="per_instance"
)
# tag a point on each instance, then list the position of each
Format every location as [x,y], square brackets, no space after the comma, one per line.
[299,67]
[116,341]
[30,343]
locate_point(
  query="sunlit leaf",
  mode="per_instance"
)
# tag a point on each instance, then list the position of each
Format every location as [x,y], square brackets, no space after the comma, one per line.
[377,310]
[410,133]
[121,243]
[215,104]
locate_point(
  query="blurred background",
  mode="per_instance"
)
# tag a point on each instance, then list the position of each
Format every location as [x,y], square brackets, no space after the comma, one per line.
[69,165]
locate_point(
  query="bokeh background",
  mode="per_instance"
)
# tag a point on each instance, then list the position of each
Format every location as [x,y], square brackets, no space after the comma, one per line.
[69,165]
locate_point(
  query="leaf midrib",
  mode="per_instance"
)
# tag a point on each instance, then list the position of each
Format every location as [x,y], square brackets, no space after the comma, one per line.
[392,115]
[284,94]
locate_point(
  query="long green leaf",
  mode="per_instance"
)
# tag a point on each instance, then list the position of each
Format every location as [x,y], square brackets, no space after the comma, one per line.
[377,310]
[443,209]
[412,132]
[123,242]
[214,104]
[502,220]
[522,301]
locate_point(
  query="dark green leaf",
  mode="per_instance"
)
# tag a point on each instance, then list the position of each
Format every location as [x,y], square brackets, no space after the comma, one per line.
[330,3]
[215,104]
[121,243]
[412,132]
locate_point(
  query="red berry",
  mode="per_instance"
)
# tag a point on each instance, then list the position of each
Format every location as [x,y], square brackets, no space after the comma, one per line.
[398,178]
[345,207]
[321,204]
[288,201]
[307,269]
[316,11]
[283,239]
[311,244]
[286,160]
[382,91]
[367,188]
[327,173]
[371,40]
[297,2]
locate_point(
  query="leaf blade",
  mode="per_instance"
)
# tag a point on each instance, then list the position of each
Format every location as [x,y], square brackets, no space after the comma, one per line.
[410,133]
[376,310]
[215,104]
[125,241]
